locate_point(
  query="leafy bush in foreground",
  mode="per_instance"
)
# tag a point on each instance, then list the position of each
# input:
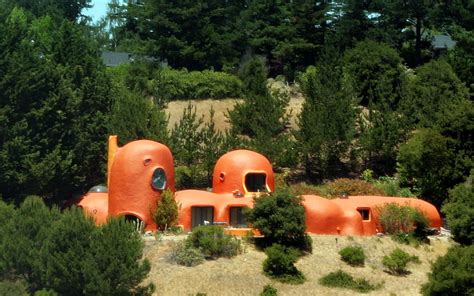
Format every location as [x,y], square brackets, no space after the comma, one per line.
[397,261]
[280,217]
[460,212]
[280,264]
[68,254]
[353,255]
[452,274]
[395,218]
[187,256]
[213,242]
[341,279]
[166,213]
[268,290]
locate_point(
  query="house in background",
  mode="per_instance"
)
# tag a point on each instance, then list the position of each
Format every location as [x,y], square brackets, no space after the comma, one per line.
[116,58]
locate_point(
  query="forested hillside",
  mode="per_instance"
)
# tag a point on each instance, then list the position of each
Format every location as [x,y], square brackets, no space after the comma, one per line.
[379,93]
[387,90]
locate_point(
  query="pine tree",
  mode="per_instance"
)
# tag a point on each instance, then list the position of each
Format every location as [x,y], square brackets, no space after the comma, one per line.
[166,212]
[326,122]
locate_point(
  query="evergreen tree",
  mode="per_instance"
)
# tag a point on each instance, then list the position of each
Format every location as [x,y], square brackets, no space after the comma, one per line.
[53,104]
[262,116]
[186,137]
[166,212]
[287,33]
[326,122]
[192,34]
[429,92]
[374,70]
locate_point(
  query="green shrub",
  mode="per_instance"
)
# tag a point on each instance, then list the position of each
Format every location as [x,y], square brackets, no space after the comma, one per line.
[280,217]
[213,242]
[394,218]
[460,212]
[426,163]
[353,255]
[341,279]
[68,253]
[452,274]
[268,290]
[346,186]
[188,177]
[397,261]
[13,288]
[391,187]
[280,264]
[181,84]
[187,256]
[166,212]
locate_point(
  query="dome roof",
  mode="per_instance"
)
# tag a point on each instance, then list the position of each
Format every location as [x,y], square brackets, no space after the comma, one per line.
[99,188]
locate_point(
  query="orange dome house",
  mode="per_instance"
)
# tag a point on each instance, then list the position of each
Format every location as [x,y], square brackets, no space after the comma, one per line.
[139,171]
[357,215]
[137,174]
[238,176]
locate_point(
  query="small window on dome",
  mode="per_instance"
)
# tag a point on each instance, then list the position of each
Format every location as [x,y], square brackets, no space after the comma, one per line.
[158,181]
[256,182]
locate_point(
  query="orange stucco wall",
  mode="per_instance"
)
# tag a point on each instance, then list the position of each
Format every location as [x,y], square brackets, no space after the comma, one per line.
[341,215]
[131,192]
[231,168]
[96,205]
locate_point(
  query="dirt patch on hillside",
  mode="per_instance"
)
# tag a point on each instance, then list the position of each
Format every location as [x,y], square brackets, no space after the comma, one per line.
[243,275]
[221,107]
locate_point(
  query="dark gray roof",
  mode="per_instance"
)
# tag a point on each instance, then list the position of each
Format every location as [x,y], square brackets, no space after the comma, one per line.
[112,59]
[442,42]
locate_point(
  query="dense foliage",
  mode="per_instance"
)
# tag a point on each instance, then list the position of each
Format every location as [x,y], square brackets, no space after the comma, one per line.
[397,261]
[67,253]
[353,255]
[341,279]
[280,264]
[166,213]
[206,242]
[280,217]
[452,273]
[394,218]
[459,211]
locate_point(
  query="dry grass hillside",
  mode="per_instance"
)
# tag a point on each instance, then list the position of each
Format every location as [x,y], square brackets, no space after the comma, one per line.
[221,107]
[243,275]
[175,110]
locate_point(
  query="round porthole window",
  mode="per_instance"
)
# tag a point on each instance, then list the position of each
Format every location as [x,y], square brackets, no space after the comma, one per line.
[158,180]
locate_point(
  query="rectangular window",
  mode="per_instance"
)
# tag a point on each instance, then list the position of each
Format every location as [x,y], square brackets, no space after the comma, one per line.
[256,182]
[237,217]
[202,216]
[365,214]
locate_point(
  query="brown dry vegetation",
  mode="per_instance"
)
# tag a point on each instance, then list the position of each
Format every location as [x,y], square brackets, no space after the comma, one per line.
[243,275]
[175,110]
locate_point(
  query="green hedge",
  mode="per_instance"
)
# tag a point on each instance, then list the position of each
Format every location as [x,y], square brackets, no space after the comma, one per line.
[181,84]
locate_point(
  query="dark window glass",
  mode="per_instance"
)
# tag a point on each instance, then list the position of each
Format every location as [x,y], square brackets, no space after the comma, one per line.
[158,181]
[202,216]
[237,217]
[256,182]
[365,213]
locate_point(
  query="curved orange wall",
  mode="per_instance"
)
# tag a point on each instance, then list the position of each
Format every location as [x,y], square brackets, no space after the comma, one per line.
[130,191]
[234,165]
[341,215]
[221,203]
[95,204]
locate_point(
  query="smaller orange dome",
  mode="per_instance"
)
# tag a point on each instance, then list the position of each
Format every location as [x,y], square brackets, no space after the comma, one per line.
[243,172]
